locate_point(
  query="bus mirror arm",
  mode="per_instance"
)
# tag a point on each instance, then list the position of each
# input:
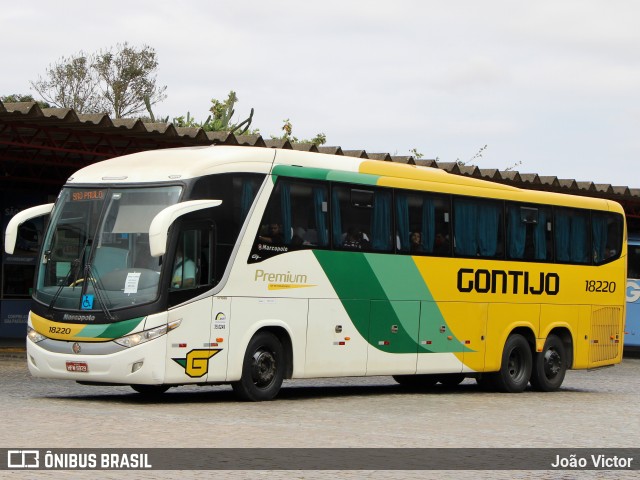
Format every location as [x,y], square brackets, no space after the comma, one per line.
[159,228]
[11,233]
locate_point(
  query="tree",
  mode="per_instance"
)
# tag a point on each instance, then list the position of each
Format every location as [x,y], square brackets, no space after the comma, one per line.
[127,78]
[117,81]
[71,83]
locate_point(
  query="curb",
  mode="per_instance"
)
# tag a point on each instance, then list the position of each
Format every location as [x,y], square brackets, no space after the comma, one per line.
[13,353]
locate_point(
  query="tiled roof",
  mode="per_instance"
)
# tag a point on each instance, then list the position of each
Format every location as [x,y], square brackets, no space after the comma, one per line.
[160,135]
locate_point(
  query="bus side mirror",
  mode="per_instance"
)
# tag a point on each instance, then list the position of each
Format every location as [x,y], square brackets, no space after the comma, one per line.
[159,228]
[11,233]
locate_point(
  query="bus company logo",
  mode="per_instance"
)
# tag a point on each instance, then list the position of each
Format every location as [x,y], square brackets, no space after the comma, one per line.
[512,281]
[633,291]
[79,318]
[23,459]
[196,363]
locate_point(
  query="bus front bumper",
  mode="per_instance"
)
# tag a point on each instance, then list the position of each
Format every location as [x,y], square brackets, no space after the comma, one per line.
[143,364]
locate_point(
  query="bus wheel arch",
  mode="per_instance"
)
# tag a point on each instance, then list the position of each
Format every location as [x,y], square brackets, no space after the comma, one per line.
[551,364]
[266,362]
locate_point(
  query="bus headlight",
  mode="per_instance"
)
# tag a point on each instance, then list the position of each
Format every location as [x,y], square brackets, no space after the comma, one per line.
[146,335]
[34,336]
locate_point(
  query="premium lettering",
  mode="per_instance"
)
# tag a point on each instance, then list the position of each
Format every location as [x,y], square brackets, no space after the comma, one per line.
[514,282]
[288,277]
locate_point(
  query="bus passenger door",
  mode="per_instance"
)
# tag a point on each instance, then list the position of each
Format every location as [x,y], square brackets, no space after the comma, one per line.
[337,338]
[393,330]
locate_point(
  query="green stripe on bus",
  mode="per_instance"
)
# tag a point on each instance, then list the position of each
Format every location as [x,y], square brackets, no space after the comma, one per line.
[325,174]
[398,296]
[120,329]
[92,331]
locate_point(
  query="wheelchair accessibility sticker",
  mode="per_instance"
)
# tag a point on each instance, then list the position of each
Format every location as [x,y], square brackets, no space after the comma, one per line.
[87,302]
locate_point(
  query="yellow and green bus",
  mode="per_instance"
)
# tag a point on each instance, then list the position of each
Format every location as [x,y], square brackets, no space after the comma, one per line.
[247,266]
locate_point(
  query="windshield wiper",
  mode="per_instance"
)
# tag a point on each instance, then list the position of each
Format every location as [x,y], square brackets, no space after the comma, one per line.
[98,292]
[75,265]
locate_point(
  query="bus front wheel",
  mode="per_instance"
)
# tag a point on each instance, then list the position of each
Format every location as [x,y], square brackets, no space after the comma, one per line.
[150,390]
[549,366]
[262,369]
[516,367]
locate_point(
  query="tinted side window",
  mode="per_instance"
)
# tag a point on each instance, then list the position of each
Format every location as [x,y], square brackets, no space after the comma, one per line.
[633,261]
[572,236]
[477,227]
[296,217]
[528,229]
[361,218]
[606,229]
[422,223]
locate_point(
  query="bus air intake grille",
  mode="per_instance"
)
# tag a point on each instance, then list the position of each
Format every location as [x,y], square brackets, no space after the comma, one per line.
[605,334]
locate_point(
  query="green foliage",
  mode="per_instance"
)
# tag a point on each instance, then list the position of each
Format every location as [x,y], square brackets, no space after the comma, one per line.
[220,118]
[416,153]
[477,155]
[287,128]
[16,97]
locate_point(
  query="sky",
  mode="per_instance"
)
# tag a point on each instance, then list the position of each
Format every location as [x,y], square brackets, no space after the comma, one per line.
[550,87]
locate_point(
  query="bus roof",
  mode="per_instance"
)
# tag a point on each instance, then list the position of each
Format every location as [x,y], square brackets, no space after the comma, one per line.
[190,162]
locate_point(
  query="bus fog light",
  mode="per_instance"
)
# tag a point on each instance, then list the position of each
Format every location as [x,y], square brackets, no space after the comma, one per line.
[136,366]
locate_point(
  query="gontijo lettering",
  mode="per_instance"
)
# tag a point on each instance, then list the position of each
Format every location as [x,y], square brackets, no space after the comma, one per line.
[510,281]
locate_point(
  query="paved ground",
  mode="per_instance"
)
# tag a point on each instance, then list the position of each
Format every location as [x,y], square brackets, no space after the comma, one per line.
[593,409]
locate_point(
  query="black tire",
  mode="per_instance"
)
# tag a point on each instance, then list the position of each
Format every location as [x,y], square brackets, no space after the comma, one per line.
[451,379]
[515,370]
[262,369]
[416,381]
[549,366]
[150,390]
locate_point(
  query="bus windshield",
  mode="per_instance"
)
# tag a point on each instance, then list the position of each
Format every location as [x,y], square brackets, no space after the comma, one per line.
[96,251]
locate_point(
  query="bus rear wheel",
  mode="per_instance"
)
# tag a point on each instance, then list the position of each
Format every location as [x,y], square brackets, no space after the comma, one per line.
[516,367]
[262,369]
[549,366]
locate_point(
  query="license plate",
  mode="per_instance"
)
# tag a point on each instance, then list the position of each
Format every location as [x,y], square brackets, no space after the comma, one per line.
[77,367]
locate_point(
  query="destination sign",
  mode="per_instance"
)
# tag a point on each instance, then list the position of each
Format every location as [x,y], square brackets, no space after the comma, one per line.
[87,195]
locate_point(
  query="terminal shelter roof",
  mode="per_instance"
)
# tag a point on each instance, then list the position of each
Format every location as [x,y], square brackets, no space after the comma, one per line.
[46,145]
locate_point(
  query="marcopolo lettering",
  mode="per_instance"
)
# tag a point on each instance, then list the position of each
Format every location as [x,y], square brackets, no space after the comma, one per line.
[510,281]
